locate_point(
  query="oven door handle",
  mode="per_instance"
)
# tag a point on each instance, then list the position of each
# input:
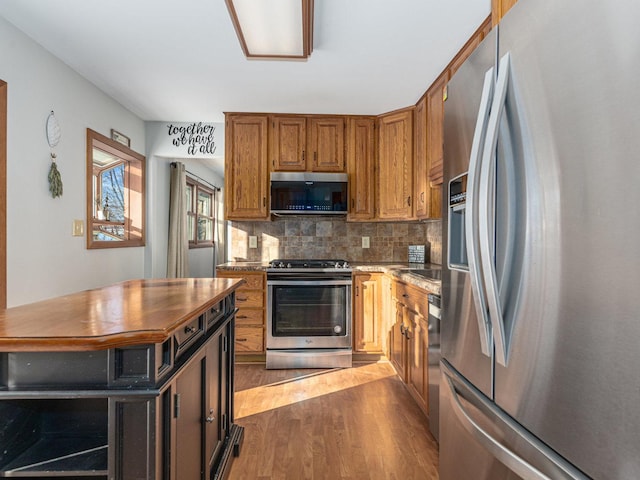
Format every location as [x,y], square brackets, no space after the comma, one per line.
[310,283]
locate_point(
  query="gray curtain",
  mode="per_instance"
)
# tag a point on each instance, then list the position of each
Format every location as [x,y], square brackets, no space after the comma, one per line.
[178,248]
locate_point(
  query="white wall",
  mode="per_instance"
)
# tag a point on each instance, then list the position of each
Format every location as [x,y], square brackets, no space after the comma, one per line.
[43,258]
[160,153]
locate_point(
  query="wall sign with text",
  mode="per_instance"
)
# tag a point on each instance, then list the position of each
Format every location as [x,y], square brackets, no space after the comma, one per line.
[197,138]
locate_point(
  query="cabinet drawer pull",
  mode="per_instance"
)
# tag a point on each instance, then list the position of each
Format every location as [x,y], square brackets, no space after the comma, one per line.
[405,295]
[189,329]
[409,200]
[241,299]
[241,339]
[241,316]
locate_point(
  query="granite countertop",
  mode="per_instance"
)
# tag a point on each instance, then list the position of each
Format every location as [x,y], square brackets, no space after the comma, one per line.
[399,270]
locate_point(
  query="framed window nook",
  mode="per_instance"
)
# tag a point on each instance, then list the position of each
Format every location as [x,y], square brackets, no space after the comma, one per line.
[115,194]
[200,214]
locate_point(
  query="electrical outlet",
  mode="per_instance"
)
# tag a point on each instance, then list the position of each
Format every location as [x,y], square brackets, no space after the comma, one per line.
[365,242]
[253,241]
[78,228]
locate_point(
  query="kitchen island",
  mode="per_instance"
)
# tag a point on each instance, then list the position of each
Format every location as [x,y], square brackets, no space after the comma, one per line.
[130,381]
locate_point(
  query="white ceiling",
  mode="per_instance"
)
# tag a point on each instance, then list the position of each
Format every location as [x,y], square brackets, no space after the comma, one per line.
[169,60]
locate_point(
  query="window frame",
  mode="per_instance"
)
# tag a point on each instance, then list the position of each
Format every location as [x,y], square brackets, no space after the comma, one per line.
[134,192]
[192,213]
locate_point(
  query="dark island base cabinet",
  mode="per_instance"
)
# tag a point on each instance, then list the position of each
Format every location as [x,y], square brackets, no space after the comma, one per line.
[159,411]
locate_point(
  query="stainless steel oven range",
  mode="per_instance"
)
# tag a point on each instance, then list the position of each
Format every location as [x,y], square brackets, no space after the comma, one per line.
[308,314]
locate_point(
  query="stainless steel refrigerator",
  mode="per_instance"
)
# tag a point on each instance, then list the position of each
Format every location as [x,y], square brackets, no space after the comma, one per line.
[540,327]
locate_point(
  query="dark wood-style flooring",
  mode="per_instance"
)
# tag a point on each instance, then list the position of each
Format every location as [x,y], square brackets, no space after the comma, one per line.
[357,423]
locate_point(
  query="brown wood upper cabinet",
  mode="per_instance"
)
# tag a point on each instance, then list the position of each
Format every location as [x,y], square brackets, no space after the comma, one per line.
[361,157]
[435,125]
[288,143]
[307,143]
[436,95]
[395,165]
[246,177]
[499,8]
[427,198]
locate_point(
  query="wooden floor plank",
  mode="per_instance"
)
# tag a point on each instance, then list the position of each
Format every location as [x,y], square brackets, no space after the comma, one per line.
[357,423]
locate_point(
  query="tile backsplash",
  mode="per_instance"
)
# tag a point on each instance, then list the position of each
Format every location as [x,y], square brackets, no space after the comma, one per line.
[305,237]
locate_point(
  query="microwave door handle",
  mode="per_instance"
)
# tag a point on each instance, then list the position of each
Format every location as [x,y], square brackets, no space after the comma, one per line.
[471,217]
[487,213]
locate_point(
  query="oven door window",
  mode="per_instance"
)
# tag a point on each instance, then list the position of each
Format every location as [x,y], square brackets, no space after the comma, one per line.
[309,311]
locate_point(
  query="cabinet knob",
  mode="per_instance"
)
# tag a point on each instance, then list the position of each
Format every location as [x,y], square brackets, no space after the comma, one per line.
[210,419]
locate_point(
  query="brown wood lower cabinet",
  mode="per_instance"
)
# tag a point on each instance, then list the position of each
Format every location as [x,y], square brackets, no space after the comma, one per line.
[251,303]
[367,313]
[409,340]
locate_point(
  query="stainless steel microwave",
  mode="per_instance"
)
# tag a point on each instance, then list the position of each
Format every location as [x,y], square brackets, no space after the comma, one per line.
[302,193]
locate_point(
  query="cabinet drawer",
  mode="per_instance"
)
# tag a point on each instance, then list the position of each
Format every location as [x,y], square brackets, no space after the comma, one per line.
[413,298]
[249,299]
[250,316]
[186,335]
[249,339]
[254,281]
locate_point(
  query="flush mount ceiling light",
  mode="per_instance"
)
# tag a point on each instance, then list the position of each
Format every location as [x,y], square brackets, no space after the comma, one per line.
[273,28]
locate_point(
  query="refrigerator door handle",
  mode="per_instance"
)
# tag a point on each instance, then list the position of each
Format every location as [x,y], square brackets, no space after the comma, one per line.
[471,223]
[515,463]
[487,212]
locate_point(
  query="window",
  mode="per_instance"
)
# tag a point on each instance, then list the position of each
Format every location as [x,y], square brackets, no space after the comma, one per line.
[115,194]
[200,214]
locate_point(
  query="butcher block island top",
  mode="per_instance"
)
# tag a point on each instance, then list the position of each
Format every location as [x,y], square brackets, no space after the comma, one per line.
[134,312]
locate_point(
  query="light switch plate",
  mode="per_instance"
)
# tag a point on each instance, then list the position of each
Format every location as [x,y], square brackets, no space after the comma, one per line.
[253,241]
[365,242]
[78,228]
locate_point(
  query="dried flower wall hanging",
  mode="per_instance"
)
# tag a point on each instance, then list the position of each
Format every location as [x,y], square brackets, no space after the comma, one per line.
[53,137]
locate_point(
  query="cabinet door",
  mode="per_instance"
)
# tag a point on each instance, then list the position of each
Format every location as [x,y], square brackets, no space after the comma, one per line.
[326,144]
[367,312]
[214,433]
[361,168]
[395,166]
[288,140]
[397,343]
[417,361]
[421,164]
[246,176]
[188,410]
[435,133]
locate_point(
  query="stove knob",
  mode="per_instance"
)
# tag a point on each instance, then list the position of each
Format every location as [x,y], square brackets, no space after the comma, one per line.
[337,265]
[345,264]
[288,265]
[281,265]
